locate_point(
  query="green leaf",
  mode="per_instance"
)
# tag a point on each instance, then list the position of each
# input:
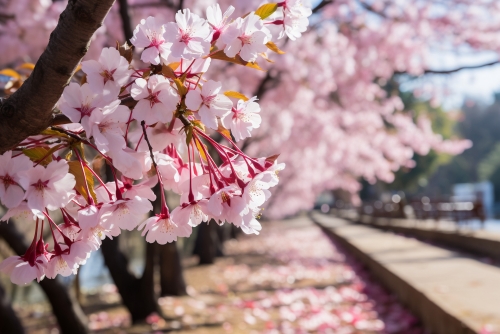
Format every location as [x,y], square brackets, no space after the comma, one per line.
[266,10]
[76,169]
[236,60]
[273,47]
[236,95]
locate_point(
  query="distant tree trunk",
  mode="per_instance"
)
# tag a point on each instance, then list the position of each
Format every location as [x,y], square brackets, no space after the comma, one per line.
[137,293]
[234,231]
[9,322]
[171,277]
[207,242]
[70,316]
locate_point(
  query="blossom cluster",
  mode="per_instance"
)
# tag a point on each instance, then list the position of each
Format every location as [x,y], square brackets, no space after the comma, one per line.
[149,125]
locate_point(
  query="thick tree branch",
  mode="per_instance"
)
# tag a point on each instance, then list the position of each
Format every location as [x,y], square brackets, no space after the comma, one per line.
[29,110]
[128,32]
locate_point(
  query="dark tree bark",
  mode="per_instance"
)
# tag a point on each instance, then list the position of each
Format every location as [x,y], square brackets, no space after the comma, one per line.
[207,242]
[70,316]
[133,291]
[9,322]
[171,278]
[29,110]
[128,32]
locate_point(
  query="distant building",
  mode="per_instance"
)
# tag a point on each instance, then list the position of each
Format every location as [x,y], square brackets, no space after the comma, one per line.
[474,192]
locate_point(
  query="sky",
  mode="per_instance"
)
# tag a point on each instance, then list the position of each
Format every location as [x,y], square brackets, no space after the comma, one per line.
[478,84]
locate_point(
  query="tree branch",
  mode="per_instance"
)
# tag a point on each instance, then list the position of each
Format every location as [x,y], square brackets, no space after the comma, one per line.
[458,69]
[29,110]
[461,68]
[321,5]
[181,5]
[128,32]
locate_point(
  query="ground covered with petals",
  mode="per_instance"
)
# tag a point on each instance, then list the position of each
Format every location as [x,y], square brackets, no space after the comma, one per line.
[290,279]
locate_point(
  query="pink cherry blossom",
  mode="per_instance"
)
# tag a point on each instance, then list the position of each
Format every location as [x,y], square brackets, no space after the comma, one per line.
[149,35]
[125,213]
[63,264]
[190,35]
[11,193]
[21,271]
[157,100]
[48,187]
[209,103]
[162,229]
[79,102]
[108,74]
[193,213]
[243,119]
[109,121]
[218,21]
[247,36]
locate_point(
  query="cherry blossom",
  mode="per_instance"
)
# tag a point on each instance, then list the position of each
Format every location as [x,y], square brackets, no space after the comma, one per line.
[247,36]
[48,187]
[243,119]
[79,102]
[162,229]
[108,74]
[125,213]
[157,100]
[23,272]
[11,193]
[149,35]
[192,214]
[218,21]
[209,103]
[190,35]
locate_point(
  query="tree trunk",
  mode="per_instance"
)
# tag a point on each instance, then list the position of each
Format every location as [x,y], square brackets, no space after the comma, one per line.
[9,322]
[137,297]
[171,278]
[70,316]
[206,242]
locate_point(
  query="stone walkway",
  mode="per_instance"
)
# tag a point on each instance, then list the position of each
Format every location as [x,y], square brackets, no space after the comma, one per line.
[450,292]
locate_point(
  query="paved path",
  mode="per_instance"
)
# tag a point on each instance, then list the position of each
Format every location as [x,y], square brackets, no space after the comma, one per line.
[451,293]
